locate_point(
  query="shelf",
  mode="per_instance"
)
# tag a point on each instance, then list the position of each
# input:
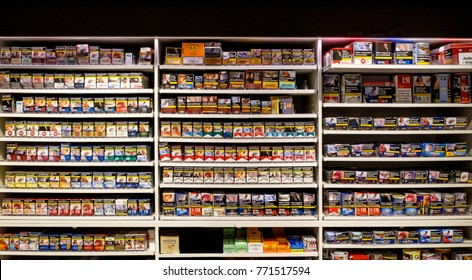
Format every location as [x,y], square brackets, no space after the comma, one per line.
[295,92]
[238,186]
[239,164]
[298,68]
[236,255]
[79,223]
[77,140]
[394,186]
[76,254]
[132,68]
[396,105]
[396,218]
[396,132]
[398,159]
[77,191]
[78,116]
[395,68]
[76,164]
[238,221]
[238,116]
[66,219]
[239,140]
[397,221]
[78,91]
[465,244]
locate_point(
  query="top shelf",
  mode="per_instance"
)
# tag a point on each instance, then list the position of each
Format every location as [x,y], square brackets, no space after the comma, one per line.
[132,68]
[395,68]
[298,68]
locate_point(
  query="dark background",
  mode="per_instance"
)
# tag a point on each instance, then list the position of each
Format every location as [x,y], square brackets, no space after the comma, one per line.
[234,18]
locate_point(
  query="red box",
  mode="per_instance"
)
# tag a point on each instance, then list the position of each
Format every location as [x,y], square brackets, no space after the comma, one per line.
[460,53]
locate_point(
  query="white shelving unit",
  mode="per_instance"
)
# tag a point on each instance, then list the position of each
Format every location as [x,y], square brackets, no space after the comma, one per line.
[312,109]
[106,223]
[393,136]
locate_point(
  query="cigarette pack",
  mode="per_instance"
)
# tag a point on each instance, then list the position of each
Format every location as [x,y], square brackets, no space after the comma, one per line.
[270,79]
[442,88]
[230,154]
[362,52]
[224,106]
[194,104]
[93,55]
[378,92]
[331,93]
[248,130]
[229,58]
[253,79]
[403,53]
[90,81]
[211,81]
[71,55]
[461,88]
[351,89]
[197,129]
[243,57]
[79,81]
[421,53]
[383,52]
[26,56]
[236,79]
[287,79]
[403,86]
[187,130]
[173,56]
[193,53]
[242,154]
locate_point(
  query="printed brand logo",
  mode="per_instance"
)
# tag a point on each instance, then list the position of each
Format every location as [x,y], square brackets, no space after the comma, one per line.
[193,48]
[406,79]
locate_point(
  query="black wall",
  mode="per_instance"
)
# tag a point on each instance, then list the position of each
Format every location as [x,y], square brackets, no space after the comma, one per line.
[234,18]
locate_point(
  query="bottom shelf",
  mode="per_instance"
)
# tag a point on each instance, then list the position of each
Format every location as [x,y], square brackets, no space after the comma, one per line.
[235,255]
[465,244]
[150,252]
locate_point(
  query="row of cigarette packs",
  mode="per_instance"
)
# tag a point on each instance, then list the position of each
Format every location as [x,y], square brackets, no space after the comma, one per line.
[195,203]
[428,236]
[408,254]
[178,153]
[109,105]
[275,240]
[238,175]
[73,81]
[379,52]
[361,203]
[67,153]
[211,53]
[47,241]
[76,207]
[229,130]
[395,123]
[78,180]
[397,150]
[81,54]
[249,79]
[235,105]
[405,88]
[77,129]
[397,176]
